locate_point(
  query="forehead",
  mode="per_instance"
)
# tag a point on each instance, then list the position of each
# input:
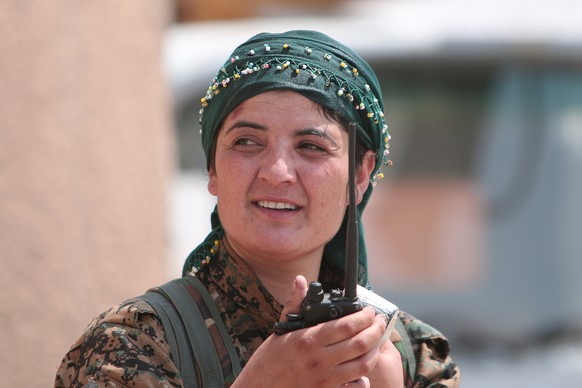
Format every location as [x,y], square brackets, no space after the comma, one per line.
[278,104]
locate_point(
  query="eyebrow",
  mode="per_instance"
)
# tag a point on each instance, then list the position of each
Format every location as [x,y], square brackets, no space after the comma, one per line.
[315,132]
[245,124]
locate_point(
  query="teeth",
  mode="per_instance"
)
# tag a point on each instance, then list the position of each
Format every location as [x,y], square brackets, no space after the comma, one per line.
[276,205]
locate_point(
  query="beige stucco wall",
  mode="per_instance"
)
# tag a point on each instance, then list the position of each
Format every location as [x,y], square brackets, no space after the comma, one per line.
[85,156]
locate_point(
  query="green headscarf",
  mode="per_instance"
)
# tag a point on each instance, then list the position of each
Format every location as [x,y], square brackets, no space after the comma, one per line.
[321,69]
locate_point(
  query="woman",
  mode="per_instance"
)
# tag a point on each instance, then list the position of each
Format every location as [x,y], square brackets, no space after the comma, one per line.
[274,129]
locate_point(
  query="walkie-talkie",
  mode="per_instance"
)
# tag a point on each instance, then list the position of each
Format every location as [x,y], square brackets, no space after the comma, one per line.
[318,306]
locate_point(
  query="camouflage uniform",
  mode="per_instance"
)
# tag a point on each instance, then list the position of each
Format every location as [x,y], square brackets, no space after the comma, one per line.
[127,345]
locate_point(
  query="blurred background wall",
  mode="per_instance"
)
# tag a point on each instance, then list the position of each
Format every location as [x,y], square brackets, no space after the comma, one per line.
[475,229]
[85,158]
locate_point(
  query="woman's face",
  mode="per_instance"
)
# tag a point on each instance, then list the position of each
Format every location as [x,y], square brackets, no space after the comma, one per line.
[280,175]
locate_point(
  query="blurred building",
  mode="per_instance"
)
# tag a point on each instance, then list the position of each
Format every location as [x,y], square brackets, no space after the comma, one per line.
[476,227]
[188,11]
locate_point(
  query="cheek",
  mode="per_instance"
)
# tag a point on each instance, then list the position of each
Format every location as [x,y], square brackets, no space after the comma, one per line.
[230,182]
[219,174]
[333,193]
[333,210]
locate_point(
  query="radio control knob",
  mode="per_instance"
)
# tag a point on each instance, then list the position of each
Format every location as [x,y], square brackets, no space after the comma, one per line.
[315,292]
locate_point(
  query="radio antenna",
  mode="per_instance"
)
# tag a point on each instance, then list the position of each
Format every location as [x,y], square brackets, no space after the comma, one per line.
[351,259]
[319,306]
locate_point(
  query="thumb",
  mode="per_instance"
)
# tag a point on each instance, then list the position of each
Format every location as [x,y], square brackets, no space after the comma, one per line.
[293,304]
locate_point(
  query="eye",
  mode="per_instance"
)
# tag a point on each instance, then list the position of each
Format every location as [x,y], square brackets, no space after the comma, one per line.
[246,144]
[244,141]
[310,146]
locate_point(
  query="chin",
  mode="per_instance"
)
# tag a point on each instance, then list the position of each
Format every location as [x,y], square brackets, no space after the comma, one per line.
[282,247]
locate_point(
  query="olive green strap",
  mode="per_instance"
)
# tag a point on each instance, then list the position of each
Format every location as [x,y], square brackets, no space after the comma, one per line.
[405,349]
[226,339]
[176,335]
[191,343]
[199,337]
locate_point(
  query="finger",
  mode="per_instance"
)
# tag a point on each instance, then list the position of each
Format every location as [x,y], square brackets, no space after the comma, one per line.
[372,335]
[360,366]
[339,330]
[389,350]
[388,369]
[293,304]
[362,382]
[361,349]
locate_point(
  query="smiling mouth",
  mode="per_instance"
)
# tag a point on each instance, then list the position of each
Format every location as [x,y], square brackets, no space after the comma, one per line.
[276,205]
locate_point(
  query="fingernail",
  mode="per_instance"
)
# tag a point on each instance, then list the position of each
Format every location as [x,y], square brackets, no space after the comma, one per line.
[384,319]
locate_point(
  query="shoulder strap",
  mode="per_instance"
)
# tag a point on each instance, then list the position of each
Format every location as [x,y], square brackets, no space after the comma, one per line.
[222,341]
[405,348]
[176,335]
[200,344]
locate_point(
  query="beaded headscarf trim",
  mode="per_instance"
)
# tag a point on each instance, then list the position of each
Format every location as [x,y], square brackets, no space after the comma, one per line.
[281,59]
[323,70]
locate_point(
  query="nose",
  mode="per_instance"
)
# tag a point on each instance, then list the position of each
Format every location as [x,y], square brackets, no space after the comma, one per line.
[277,168]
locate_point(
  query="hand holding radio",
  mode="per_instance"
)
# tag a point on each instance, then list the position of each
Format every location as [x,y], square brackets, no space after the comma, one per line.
[331,354]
